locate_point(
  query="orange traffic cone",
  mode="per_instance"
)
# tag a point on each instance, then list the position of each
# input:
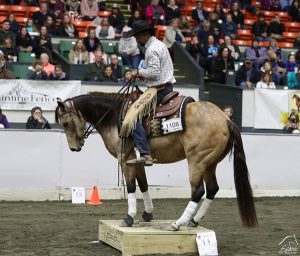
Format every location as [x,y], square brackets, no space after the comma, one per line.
[95,199]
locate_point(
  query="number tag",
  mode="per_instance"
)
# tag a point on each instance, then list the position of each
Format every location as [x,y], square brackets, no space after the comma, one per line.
[172,125]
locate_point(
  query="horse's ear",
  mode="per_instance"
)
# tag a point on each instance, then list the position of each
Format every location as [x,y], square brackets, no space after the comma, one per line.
[60,103]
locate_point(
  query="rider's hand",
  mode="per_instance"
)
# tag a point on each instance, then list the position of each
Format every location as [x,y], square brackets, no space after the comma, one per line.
[135,74]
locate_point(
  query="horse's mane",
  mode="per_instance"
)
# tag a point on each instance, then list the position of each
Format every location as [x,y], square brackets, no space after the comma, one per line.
[95,104]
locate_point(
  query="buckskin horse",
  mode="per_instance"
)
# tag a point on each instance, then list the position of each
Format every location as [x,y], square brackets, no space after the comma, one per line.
[207,138]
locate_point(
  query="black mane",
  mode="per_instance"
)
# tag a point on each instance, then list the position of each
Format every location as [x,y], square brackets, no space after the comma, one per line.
[95,104]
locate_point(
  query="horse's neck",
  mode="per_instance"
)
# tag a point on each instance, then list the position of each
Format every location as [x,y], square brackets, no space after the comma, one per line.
[111,139]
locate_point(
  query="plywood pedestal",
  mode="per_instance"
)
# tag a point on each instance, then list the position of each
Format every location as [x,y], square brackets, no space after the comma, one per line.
[149,238]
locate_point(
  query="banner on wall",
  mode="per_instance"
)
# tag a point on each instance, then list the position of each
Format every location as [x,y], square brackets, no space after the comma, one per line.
[26,94]
[272,107]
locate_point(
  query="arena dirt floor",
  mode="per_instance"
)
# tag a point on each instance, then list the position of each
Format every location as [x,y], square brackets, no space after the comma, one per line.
[60,228]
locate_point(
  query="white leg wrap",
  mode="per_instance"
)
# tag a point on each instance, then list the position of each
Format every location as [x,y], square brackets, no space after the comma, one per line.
[132,204]
[188,214]
[147,202]
[203,209]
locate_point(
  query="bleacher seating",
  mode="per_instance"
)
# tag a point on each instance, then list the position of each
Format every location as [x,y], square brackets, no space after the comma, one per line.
[27,57]
[65,47]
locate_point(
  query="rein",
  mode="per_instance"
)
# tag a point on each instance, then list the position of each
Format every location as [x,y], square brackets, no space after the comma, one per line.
[122,91]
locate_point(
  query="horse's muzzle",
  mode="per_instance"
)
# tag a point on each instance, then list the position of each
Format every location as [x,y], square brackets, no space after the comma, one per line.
[75,149]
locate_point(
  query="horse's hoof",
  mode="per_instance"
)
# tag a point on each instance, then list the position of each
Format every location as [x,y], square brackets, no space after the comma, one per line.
[127,222]
[147,217]
[192,223]
[173,227]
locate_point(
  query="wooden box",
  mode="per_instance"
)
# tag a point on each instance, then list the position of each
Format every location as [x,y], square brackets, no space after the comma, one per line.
[149,237]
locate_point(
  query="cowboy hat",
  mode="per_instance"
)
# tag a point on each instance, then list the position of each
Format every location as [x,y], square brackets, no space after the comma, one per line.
[137,27]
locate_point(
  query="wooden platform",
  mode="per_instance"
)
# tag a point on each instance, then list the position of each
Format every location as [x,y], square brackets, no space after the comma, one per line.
[149,238]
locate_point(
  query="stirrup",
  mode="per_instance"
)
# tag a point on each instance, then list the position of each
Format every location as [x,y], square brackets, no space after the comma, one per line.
[147,161]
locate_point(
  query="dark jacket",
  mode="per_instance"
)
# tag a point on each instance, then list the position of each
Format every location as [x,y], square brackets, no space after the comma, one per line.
[172,14]
[220,70]
[34,124]
[117,71]
[40,48]
[294,13]
[54,77]
[241,75]
[87,45]
[103,78]
[275,28]
[117,21]
[92,72]
[38,76]
[24,41]
[39,18]
[259,28]
[238,19]
[62,32]
[196,17]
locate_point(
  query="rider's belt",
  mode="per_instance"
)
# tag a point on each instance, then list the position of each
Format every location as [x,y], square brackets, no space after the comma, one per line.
[162,86]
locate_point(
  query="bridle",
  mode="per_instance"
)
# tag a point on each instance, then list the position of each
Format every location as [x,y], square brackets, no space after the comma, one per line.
[125,90]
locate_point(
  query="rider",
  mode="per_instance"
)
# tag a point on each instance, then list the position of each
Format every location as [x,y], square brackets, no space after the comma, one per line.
[157,72]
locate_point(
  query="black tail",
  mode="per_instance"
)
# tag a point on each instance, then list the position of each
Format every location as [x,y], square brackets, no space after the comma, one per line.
[241,178]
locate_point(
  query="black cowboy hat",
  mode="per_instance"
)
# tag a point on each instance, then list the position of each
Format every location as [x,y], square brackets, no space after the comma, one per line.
[137,27]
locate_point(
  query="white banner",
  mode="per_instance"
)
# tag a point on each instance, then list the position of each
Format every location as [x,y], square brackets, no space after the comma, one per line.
[272,107]
[26,94]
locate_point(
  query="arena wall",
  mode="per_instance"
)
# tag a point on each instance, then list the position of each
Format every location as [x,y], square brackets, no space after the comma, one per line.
[38,165]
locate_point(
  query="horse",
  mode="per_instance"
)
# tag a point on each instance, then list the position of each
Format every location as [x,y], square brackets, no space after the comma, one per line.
[208,137]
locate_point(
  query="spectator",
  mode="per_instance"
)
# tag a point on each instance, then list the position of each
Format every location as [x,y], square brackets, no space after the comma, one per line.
[105,30]
[31,28]
[247,75]
[9,51]
[105,57]
[127,77]
[24,43]
[4,72]
[5,32]
[211,51]
[72,8]
[49,24]
[136,15]
[292,125]
[66,28]
[237,16]
[276,7]
[234,49]
[37,73]
[256,53]
[79,55]
[228,111]
[107,75]
[172,35]
[223,63]
[294,11]
[116,68]
[229,27]
[91,42]
[266,82]
[297,41]
[205,33]
[291,65]
[14,25]
[268,67]
[214,22]
[47,66]
[199,15]
[172,11]
[43,43]
[298,57]
[279,67]
[36,120]
[3,120]
[266,4]
[276,28]
[94,69]
[128,48]
[31,2]
[116,18]
[195,50]
[58,74]
[260,28]
[155,14]
[57,7]
[40,16]
[221,14]
[275,48]
[89,9]
[185,26]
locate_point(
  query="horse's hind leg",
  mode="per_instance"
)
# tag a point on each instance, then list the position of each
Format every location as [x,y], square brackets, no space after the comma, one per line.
[143,184]
[212,188]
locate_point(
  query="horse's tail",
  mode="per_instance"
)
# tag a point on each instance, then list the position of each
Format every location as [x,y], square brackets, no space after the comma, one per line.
[241,178]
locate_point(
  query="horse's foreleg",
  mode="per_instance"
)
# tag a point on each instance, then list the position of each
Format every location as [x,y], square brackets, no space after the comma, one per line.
[143,184]
[130,175]
[212,188]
